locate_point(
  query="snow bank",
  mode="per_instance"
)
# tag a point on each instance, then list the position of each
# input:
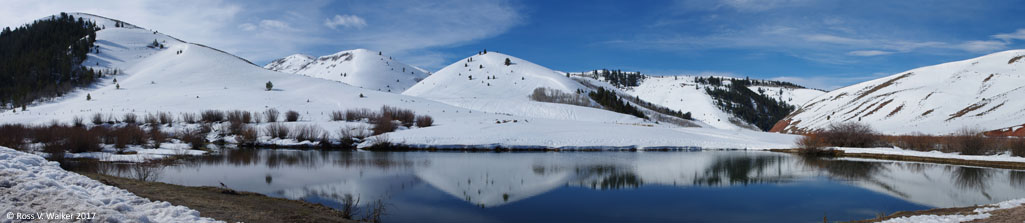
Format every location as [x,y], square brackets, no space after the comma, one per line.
[30,185]
[933,154]
[980,213]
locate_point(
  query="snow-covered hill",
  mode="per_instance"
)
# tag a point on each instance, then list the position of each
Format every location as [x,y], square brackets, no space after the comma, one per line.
[360,67]
[185,77]
[983,93]
[687,95]
[483,82]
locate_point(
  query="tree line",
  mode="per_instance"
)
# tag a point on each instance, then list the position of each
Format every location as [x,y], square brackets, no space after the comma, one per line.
[42,60]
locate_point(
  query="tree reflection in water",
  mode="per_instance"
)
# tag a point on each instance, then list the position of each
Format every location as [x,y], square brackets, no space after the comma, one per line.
[744,170]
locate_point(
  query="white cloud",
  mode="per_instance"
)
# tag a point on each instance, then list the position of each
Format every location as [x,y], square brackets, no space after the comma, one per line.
[347,21]
[271,24]
[868,53]
[981,46]
[1007,37]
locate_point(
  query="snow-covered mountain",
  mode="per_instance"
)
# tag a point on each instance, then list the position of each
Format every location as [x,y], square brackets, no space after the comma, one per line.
[686,94]
[183,77]
[983,93]
[360,67]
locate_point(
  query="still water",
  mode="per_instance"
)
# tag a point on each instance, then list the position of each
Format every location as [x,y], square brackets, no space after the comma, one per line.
[692,186]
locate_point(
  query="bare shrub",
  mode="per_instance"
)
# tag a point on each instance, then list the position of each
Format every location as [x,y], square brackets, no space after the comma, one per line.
[165,118]
[851,135]
[968,142]
[82,140]
[277,130]
[291,116]
[384,124]
[247,136]
[272,115]
[353,115]
[306,133]
[210,116]
[404,116]
[812,141]
[128,135]
[190,118]
[129,118]
[156,136]
[919,142]
[1016,146]
[77,122]
[152,120]
[97,119]
[193,137]
[13,135]
[424,121]
[550,95]
[350,206]
[337,116]
[349,136]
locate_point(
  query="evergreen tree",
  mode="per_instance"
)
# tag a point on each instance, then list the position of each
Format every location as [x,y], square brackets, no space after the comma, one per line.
[88,97]
[43,60]
[507,61]
[118,86]
[269,85]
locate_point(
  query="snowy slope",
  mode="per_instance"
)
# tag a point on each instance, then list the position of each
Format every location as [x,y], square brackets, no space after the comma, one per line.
[983,93]
[29,181]
[683,93]
[186,77]
[360,67]
[505,89]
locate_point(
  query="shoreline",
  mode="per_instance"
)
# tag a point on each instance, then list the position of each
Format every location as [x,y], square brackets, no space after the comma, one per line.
[911,158]
[225,204]
[1007,211]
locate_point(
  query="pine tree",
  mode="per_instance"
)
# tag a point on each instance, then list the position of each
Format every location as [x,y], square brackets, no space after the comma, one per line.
[482,66]
[361,95]
[269,85]
[118,86]
[23,108]
[88,97]
[507,61]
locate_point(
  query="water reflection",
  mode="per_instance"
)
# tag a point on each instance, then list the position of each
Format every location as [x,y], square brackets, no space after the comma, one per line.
[491,180]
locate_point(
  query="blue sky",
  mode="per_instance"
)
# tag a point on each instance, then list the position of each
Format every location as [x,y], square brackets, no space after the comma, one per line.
[822,44]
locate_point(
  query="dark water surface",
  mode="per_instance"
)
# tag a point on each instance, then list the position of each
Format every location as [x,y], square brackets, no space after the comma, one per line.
[702,186]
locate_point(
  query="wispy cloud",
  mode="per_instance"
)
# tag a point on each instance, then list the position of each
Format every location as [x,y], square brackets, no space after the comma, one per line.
[347,21]
[1007,37]
[868,53]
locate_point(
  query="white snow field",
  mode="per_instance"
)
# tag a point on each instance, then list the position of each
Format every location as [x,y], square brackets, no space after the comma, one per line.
[360,67]
[982,93]
[30,185]
[186,77]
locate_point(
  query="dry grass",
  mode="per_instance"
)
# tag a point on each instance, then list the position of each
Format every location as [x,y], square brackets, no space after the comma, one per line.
[190,118]
[405,116]
[307,133]
[210,116]
[271,115]
[291,116]
[360,114]
[385,124]
[277,130]
[424,121]
[129,118]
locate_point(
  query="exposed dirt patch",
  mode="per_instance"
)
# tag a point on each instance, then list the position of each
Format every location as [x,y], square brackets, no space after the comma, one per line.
[968,109]
[928,112]
[1015,59]
[880,107]
[987,78]
[226,205]
[881,86]
[990,110]
[895,110]
[1010,131]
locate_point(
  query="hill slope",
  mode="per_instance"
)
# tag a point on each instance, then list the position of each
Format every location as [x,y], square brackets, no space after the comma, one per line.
[360,67]
[183,77]
[982,93]
[686,94]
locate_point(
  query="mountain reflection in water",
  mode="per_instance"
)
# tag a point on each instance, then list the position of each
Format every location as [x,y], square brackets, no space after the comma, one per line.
[413,181]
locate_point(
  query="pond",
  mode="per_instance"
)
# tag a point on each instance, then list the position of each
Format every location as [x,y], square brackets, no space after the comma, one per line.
[691,186]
